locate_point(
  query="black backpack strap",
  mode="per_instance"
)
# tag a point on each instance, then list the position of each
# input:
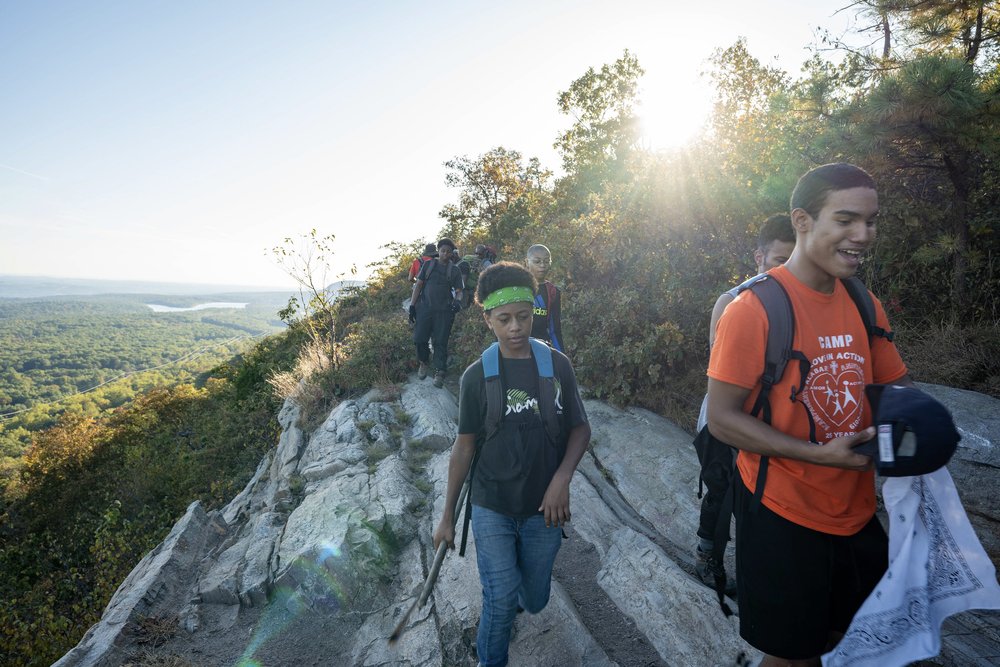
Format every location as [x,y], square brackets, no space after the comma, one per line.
[866,307]
[468,503]
[778,352]
[546,388]
[494,412]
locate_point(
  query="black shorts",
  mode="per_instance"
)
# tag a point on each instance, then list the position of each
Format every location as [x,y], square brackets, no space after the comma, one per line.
[797,585]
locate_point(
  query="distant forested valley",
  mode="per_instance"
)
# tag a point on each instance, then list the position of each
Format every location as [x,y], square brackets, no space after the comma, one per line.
[85,354]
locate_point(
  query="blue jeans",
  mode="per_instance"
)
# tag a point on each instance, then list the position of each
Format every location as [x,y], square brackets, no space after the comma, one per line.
[515,558]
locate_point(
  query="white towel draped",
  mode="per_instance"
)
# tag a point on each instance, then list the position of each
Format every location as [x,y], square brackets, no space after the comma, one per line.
[937,568]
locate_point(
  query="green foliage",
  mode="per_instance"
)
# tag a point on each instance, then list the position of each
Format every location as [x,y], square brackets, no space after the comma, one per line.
[642,245]
[86,355]
[490,186]
[605,130]
[95,494]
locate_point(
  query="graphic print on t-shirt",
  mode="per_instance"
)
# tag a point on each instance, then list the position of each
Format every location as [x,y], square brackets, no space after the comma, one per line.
[519,400]
[834,393]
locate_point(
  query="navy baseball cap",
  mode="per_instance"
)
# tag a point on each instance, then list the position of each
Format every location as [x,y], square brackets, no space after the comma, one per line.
[914,432]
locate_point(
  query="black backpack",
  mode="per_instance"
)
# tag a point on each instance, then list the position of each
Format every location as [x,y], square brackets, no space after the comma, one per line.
[778,352]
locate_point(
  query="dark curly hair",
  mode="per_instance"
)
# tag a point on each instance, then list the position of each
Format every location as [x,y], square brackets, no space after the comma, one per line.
[503,274]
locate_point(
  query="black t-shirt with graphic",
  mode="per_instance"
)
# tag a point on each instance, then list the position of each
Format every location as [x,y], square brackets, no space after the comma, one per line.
[439,280]
[521,435]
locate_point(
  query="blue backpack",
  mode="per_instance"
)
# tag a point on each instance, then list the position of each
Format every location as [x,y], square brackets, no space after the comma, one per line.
[495,404]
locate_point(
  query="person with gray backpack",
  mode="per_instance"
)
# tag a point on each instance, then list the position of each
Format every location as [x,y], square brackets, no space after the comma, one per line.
[809,548]
[775,242]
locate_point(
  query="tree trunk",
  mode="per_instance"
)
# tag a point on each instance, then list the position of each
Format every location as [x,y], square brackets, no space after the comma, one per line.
[960,229]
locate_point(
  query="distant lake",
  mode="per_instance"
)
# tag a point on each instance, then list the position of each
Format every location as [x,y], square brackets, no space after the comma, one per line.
[157,308]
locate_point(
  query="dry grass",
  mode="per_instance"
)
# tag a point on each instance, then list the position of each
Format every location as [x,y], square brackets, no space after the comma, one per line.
[962,357]
[154,631]
[310,385]
[149,659]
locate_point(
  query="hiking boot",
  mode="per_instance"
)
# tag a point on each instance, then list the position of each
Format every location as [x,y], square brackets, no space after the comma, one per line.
[439,379]
[422,371]
[706,567]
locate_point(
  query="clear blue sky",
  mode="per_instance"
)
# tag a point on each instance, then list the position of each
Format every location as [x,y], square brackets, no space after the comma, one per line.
[177,140]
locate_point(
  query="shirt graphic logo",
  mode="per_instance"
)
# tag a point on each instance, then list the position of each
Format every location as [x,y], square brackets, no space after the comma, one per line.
[835,394]
[518,401]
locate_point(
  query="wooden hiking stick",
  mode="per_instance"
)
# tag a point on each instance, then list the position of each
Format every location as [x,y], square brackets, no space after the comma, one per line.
[432,575]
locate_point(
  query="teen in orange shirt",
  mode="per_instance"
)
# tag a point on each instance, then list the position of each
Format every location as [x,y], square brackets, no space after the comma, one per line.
[810,553]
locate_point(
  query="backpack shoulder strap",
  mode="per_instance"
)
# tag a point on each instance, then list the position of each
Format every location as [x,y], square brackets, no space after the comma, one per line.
[778,352]
[866,307]
[430,264]
[546,388]
[780,334]
[494,389]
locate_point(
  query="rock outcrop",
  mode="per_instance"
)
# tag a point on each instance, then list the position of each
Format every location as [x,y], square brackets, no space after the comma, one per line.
[317,559]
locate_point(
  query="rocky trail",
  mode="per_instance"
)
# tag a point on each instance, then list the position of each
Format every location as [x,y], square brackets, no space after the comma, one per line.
[329,543]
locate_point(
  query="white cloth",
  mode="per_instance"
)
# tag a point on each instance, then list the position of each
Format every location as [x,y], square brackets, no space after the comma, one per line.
[702,415]
[937,568]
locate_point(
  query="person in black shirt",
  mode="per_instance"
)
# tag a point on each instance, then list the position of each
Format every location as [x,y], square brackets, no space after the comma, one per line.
[547,325]
[520,484]
[436,297]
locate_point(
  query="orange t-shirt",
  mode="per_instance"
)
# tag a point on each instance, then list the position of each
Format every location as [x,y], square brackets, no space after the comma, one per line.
[831,334]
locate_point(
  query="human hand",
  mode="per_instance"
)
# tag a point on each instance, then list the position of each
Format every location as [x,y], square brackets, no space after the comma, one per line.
[839,452]
[413,314]
[445,532]
[555,503]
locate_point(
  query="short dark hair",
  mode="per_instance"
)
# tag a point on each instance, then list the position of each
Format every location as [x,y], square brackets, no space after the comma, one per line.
[815,185]
[447,242]
[503,274]
[777,227]
[430,248]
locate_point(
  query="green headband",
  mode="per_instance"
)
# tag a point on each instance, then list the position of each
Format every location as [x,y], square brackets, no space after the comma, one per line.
[505,295]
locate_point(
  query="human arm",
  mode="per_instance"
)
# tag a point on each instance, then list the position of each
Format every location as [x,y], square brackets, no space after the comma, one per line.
[458,291]
[458,469]
[729,423]
[555,502]
[418,287]
[720,306]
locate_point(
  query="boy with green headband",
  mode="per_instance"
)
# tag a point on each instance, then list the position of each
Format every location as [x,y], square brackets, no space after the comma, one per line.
[520,484]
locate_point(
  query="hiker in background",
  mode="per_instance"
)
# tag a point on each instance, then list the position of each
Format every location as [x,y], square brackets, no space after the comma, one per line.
[809,549]
[547,324]
[436,297]
[430,252]
[468,265]
[775,243]
[487,256]
[521,462]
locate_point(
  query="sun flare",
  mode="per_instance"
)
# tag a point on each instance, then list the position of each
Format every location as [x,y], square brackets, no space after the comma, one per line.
[673,111]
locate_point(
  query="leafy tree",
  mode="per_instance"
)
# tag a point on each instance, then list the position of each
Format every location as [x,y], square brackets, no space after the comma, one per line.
[605,130]
[934,122]
[490,186]
[963,28]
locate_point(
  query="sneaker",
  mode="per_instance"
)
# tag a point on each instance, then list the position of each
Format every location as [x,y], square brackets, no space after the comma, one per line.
[706,567]
[439,379]
[422,371]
